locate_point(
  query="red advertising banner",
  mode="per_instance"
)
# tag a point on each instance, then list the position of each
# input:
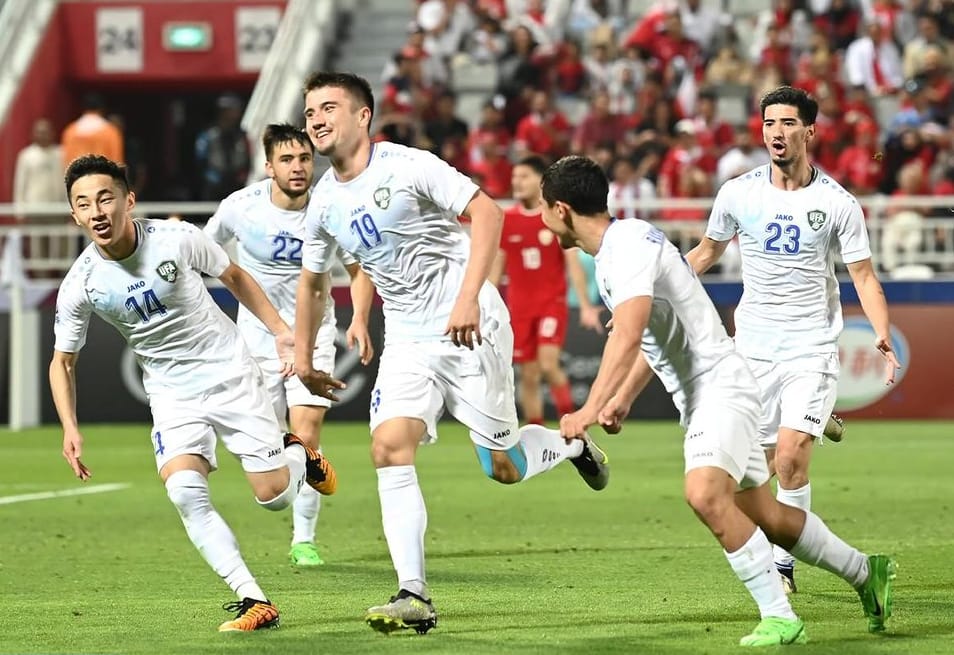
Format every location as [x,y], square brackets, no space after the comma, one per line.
[924,387]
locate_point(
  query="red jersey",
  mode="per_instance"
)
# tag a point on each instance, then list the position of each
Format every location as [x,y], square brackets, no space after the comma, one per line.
[535,262]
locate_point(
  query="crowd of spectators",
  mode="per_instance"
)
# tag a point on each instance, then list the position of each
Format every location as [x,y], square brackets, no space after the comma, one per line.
[650,96]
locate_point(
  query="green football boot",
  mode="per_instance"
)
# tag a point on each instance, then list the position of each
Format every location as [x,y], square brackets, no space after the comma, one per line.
[775,631]
[305,554]
[876,592]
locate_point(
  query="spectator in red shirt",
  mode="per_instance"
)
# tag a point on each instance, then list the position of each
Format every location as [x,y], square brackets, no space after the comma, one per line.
[777,51]
[859,168]
[685,172]
[598,126]
[840,23]
[544,131]
[537,268]
[491,125]
[568,70]
[714,135]
[493,168]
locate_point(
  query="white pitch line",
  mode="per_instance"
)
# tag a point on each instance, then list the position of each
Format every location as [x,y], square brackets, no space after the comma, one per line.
[78,491]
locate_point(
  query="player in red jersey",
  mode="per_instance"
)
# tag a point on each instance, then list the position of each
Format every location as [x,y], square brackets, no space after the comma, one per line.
[537,269]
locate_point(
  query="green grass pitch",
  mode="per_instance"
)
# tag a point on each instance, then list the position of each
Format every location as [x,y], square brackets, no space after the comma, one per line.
[544,567]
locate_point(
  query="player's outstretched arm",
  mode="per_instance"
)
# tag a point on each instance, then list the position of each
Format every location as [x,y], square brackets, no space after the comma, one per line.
[875,306]
[63,388]
[619,356]
[705,255]
[589,313]
[362,294]
[486,225]
[248,292]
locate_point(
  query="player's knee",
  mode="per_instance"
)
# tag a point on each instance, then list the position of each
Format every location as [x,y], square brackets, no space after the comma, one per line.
[791,467]
[188,490]
[708,503]
[275,502]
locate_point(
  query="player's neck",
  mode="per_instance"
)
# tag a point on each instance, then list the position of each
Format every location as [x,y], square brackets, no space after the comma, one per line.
[352,165]
[530,206]
[125,246]
[792,177]
[286,202]
[590,232]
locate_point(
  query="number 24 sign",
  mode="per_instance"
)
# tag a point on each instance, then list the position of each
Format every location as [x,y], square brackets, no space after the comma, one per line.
[119,40]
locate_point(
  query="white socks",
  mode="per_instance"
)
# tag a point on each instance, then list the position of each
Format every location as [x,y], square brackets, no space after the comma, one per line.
[800,498]
[404,518]
[545,448]
[753,564]
[295,460]
[819,546]
[189,492]
[305,515]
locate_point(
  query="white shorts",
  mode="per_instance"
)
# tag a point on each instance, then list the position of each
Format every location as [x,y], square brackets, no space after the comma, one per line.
[238,411]
[721,430]
[418,380]
[290,392]
[798,394]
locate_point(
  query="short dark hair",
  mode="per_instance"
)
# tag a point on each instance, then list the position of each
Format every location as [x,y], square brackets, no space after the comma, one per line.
[355,85]
[579,182]
[94,165]
[279,133]
[535,162]
[798,98]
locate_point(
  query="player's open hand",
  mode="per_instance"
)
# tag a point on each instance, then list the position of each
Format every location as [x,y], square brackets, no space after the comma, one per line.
[358,335]
[319,383]
[464,323]
[590,318]
[573,426]
[72,450]
[612,415]
[883,344]
[285,346]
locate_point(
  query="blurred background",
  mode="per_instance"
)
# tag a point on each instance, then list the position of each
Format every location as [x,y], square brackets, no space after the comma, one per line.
[663,94]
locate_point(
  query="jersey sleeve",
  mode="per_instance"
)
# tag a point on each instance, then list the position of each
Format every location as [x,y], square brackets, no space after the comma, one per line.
[853,234]
[220,227]
[634,266]
[722,224]
[202,253]
[441,183]
[345,257]
[319,248]
[73,309]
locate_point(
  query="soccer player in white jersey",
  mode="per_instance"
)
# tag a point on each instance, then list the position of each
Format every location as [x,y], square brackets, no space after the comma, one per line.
[448,341]
[144,277]
[791,219]
[267,219]
[664,322]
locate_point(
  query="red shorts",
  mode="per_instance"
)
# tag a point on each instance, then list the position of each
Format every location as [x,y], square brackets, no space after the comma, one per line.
[534,329]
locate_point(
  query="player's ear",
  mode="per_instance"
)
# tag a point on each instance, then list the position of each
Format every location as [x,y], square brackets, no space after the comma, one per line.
[364,117]
[130,201]
[269,171]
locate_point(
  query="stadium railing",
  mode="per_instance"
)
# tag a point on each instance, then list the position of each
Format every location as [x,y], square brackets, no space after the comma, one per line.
[31,266]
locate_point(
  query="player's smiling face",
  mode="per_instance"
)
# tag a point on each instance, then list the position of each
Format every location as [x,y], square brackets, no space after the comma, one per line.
[786,136]
[292,167]
[334,120]
[101,207]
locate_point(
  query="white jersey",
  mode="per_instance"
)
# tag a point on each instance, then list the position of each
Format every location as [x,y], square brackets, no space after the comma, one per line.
[270,249]
[790,304]
[398,218]
[685,338]
[156,298]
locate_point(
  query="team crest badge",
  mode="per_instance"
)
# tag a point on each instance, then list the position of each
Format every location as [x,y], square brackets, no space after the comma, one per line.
[168,271]
[545,237]
[816,218]
[382,197]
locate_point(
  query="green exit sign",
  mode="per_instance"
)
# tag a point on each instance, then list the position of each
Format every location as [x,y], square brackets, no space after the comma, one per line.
[187,37]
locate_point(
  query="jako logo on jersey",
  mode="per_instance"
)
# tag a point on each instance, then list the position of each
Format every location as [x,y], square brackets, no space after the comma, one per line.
[861,381]
[787,217]
[816,421]
[382,197]
[168,271]
[138,285]
[816,218]
[501,435]
[274,452]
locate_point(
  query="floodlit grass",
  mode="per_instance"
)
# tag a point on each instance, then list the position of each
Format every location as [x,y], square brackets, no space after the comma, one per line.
[545,567]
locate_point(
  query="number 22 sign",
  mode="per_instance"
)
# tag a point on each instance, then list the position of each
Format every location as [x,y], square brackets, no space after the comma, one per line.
[119,40]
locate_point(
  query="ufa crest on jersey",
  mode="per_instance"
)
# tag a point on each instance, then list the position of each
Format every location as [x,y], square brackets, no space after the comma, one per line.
[816,219]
